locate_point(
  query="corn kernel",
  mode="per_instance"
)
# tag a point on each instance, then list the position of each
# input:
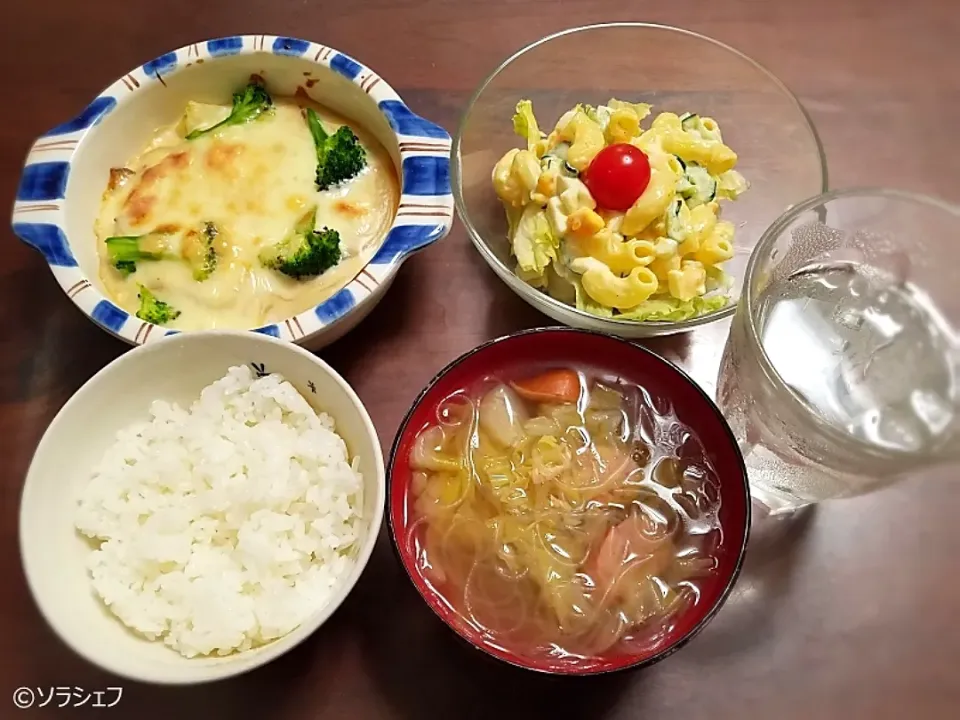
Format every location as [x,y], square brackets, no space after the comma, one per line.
[584,223]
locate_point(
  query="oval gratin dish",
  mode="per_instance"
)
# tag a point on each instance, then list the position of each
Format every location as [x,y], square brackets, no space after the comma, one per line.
[67,168]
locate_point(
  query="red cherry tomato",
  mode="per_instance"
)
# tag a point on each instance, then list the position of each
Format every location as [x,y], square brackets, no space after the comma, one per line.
[617,176]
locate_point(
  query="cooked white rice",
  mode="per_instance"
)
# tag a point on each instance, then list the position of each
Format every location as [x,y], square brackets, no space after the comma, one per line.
[226,525]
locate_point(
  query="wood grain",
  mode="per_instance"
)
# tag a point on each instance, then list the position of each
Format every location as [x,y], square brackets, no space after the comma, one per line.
[847,612]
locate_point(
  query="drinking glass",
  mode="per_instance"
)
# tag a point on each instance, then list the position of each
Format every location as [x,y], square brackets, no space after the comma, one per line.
[840,372]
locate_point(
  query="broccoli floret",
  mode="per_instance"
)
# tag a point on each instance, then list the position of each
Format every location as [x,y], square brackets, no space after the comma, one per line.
[306,252]
[199,251]
[339,156]
[126,251]
[153,310]
[248,104]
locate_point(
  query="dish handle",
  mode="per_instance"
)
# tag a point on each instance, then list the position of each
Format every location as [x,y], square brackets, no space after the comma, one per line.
[38,218]
[425,213]
[38,209]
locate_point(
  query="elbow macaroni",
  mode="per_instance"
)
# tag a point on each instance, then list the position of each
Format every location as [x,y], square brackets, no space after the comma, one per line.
[623,126]
[526,167]
[618,255]
[601,284]
[664,248]
[504,183]
[655,199]
[718,246]
[584,222]
[711,153]
[662,267]
[585,137]
[516,176]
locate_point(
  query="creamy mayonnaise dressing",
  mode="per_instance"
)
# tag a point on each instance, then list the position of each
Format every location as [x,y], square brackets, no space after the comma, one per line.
[254,181]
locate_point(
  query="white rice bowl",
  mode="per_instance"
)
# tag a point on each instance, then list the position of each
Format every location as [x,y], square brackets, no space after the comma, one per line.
[225,526]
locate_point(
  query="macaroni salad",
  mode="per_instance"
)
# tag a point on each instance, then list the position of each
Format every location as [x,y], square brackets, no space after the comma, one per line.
[620,221]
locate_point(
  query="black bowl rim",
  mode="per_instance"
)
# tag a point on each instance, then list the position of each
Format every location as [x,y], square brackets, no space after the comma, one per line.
[724,594]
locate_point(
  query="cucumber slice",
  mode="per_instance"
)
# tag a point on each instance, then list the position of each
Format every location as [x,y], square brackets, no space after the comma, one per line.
[558,158]
[700,187]
[676,230]
[689,121]
[555,162]
[601,116]
[551,162]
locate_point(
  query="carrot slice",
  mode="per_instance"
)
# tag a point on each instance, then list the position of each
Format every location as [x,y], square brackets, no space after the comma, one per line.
[557,386]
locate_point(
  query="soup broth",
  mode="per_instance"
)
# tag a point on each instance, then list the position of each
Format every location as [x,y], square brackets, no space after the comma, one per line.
[565,515]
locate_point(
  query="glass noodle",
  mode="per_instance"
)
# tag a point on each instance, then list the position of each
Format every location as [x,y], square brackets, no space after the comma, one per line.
[565,514]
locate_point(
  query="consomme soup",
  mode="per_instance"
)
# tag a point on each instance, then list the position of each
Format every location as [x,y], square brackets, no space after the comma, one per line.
[564,515]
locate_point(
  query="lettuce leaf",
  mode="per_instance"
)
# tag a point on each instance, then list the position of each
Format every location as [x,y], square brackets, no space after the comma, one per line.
[513,218]
[670,309]
[601,114]
[562,282]
[661,309]
[590,110]
[534,245]
[718,279]
[525,124]
[731,185]
[641,109]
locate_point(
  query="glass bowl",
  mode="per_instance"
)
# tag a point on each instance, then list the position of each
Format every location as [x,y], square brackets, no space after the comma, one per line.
[674,70]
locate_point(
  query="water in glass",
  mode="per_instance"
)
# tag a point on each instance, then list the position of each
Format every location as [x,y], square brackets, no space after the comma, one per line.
[843,374]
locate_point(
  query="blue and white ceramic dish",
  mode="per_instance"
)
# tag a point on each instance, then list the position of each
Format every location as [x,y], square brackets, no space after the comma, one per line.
[67,168]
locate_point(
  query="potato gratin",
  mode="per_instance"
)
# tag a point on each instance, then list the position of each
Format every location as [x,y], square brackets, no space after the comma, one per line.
[620,221]
[244,215]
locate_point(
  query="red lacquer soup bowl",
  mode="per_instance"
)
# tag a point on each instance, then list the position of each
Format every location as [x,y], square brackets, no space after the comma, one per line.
[523,354]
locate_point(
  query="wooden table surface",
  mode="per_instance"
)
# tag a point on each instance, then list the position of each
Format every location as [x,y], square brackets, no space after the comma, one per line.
[848,612]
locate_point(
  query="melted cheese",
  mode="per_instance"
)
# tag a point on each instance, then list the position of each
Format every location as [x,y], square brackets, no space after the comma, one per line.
[254,181]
